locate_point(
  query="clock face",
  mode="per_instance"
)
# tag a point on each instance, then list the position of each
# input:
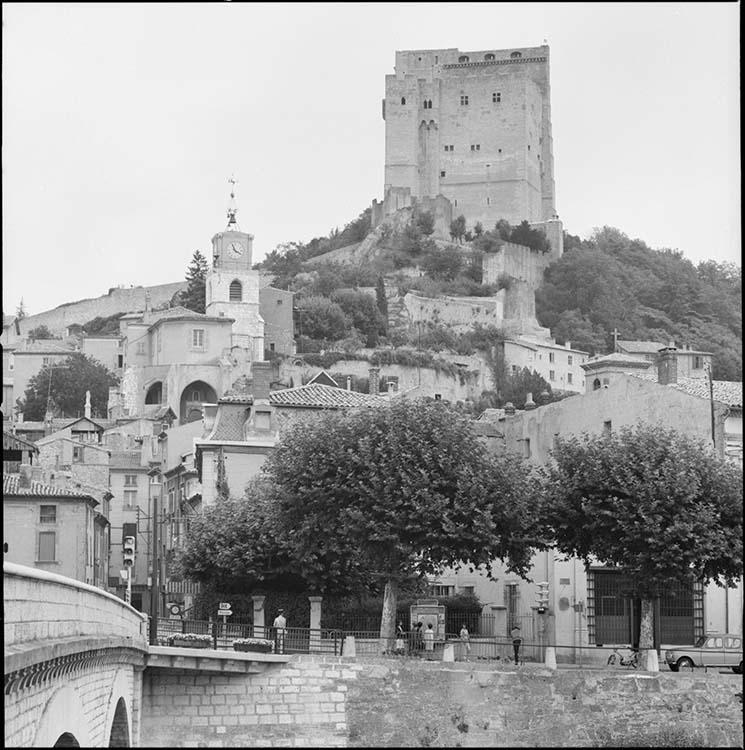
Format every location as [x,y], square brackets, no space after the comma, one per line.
[235,249]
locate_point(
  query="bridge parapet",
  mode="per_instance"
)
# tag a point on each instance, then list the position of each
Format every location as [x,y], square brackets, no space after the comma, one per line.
[51,615]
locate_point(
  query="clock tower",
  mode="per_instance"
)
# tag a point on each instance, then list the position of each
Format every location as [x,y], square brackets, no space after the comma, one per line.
[232,287]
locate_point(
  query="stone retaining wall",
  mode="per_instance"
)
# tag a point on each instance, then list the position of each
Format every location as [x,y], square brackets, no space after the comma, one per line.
[338,702]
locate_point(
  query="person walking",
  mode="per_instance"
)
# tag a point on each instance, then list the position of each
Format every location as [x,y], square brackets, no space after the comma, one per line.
[465,639]
[400,635]
[417,641]
[280,625]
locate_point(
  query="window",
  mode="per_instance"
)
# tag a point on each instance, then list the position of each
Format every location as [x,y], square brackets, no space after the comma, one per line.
[514,369]
[438,397]
[45,361]
[515,55]
[552,375]
[450,148]
[607,428]
[442,173]
[130,480]
[466,589]
[47,546]
[120,360]
[160,340]
[596,384]
[698,362]
[439,589]
[403,100]
[279,302]
[140,347]
[496,97]
[499,150]
[475,147]
[550,356]
[526,448]
[48,514]
[197,338]
[235,293]
[488,201]
[464,100]
[569,378]
[130,499]
[528,147]
[271,347]
[463,58]
[569,360]
[427,104]
[488,56]
[77,453]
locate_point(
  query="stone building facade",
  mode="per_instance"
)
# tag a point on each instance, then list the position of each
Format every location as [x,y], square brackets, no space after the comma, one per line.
[474,127]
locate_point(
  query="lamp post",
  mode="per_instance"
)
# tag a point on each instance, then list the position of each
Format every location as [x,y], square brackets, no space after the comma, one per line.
[155,490]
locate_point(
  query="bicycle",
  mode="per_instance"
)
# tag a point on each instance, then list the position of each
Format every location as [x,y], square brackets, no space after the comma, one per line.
[623,660]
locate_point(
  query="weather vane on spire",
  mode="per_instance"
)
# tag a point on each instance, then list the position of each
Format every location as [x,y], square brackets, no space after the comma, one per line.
[232,208]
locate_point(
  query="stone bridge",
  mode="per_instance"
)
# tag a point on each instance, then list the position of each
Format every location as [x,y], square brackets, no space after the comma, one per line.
[74,657]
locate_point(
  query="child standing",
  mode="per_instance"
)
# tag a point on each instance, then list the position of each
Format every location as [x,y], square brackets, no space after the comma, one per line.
[429,639]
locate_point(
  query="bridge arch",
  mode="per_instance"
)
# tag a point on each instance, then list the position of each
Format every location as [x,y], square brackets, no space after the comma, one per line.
[63,721]
[118,713]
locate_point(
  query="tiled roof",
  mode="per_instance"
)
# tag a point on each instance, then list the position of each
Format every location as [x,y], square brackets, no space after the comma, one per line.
[45,346]
[616,358]
[229,422]
[11,486]
[15,443]
[725,391]
[645,347]
[156,411]
[323,397]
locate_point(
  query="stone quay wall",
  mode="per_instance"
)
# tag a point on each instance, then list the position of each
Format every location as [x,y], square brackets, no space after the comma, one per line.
[343,702]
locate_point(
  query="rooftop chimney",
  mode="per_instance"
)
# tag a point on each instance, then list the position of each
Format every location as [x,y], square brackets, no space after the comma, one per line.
[87,404]
[349,382]
[509,408]
[374,381]
[529,403]
[667,364]
[261,373]
[24,479]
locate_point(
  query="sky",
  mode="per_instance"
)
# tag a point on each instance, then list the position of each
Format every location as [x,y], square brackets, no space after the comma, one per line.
[122,124]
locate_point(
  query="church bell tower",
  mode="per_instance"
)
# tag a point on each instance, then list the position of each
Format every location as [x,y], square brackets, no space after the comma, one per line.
[232,287]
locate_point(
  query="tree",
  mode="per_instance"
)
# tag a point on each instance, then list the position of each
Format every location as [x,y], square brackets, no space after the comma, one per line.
[458,228]
[382,301]
[371,498]
[236,544]
[320,318]
[442,263]
[70,380]
[362,310]
[652,502]
[425,223]
[515,387]
[40,332]
[196,274]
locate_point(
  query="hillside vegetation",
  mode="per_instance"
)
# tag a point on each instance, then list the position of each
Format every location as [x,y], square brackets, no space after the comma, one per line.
[608,282]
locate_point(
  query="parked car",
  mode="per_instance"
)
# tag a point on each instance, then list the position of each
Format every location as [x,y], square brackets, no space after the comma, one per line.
[712,650]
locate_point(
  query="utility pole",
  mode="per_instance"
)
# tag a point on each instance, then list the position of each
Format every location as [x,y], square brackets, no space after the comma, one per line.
[711,402]
[156,487]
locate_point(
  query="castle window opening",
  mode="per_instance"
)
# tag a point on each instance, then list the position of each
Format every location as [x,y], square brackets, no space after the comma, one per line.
[463,58]
[607,428]
[488,56]
[528,147]
[496,97]
[569,378]
[403,100]
[436,58]
[551,357]
[488,200]
[499,150]
[279,302]
[120,360]
[456,203]
[442,173]
[271,347]
[552,375]
[515,55]
[464,100]
[596,384]
[570,360]
[196,395]
[235,293]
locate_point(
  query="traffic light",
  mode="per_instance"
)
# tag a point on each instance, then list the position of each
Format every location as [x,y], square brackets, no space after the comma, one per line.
[541,597]
[129,551]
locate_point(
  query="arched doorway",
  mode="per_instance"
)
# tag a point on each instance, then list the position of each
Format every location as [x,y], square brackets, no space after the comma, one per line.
[154,394]
[193,396]
[66,740]
[120,726]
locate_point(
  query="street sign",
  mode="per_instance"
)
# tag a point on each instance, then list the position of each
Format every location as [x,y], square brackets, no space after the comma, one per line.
[224,605]
[224,612]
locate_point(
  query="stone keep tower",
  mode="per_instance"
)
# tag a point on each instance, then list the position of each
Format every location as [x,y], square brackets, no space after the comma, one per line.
[474,127]
[232,288]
